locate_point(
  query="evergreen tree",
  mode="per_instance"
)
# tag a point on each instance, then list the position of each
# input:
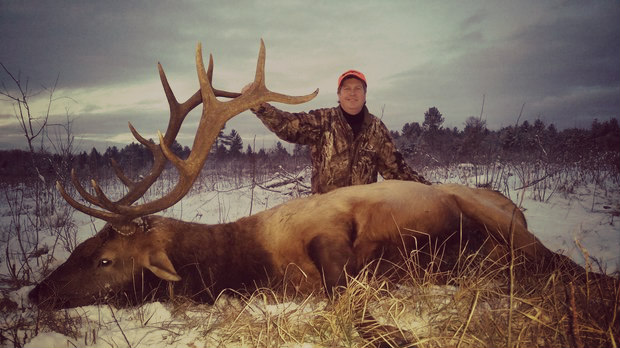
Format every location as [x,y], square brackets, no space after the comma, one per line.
[279,152]
[236,144]
[301,151]
[412,130]
[94,162]
[432,119]
[473,136]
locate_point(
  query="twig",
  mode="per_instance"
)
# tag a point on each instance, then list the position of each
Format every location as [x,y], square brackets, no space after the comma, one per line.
[574,330]
[253,166]
[471,314]
[593,196]
[512,270]
[286,182]
[610,329]
[119,325]
[482,107]
[536,181]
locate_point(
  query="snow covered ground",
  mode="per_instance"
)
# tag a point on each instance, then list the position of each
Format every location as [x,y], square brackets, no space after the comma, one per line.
[583,222]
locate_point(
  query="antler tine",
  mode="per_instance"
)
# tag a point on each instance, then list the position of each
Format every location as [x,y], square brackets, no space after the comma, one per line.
[215,113]
[154,148]
[130,184]
[80,189]
[210,69]
[100,214]
[100,200]
[205,136]
[266,94]
[178,112]
[137,190]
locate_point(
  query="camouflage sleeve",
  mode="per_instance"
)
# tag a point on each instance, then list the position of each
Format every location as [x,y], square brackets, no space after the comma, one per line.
[391,164]
[300,128]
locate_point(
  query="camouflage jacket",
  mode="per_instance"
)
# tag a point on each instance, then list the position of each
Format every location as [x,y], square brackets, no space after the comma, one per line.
[339,159]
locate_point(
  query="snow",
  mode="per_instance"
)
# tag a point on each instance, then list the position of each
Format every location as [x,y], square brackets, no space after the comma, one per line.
[119,327]
[570,225]
[580,223]
[50,340]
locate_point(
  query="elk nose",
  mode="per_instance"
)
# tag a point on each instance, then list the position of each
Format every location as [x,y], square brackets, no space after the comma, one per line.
[40,296]
[33,295]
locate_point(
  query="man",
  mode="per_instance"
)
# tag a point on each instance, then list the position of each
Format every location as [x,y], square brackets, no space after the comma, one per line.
[349,145]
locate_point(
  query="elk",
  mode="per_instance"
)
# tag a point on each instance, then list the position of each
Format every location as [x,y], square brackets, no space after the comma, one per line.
[306,244]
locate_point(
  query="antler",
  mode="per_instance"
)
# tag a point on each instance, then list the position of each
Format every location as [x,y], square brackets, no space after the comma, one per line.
[215,113]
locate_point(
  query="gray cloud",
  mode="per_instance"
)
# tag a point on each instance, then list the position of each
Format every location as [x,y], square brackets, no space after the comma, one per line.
[564,68]
[559,58]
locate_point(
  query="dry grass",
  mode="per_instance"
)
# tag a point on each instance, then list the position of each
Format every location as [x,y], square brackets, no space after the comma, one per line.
[472,304]
[474,307]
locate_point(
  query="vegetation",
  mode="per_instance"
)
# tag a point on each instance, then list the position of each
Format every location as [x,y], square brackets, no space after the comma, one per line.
[468,306]
[427,146]
[16,165]
[431,145]
[476,304]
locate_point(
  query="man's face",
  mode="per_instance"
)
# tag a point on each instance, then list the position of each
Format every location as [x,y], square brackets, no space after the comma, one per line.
[352,96]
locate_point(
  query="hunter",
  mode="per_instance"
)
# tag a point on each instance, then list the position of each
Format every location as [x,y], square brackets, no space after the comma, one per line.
[348,144]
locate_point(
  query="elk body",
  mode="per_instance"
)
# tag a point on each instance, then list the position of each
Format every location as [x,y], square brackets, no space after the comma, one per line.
[302,245]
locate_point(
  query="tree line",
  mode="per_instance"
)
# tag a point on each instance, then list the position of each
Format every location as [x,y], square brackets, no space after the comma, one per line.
[425,145]
[430,144]
[16,165]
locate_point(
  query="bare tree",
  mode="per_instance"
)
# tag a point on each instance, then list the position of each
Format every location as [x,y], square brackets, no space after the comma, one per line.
[31,124]
[61,139]
[27,225]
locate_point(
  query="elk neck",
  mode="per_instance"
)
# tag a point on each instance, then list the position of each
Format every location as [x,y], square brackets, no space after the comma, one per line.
[211,258]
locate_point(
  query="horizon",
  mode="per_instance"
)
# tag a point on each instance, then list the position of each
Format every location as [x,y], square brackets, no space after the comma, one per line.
[559,59]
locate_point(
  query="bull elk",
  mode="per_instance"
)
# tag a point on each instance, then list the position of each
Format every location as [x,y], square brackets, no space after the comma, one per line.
[305,244]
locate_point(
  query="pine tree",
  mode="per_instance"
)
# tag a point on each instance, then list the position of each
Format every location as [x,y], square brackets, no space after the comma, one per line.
[432,120]
[235,144]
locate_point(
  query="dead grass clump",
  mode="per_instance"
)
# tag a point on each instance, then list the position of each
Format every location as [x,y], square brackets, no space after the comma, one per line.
[471,301]
[476,302]
[490,305]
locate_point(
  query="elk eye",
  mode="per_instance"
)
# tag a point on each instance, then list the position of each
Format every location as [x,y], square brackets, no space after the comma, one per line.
[105,262]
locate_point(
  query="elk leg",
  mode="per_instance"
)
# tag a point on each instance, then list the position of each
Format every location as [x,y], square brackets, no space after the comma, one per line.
[334,259]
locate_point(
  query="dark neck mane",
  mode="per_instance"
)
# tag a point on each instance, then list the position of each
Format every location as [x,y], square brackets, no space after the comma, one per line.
[212,258]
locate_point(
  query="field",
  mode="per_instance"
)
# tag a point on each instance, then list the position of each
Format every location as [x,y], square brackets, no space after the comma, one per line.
[572,212]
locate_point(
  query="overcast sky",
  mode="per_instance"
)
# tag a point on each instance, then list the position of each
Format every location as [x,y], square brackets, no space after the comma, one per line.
[559,58]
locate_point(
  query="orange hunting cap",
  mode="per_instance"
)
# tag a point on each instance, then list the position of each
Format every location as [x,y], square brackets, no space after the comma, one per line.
[352,73]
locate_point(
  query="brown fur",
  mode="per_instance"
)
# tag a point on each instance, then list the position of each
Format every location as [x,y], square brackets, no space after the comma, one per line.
[303,244]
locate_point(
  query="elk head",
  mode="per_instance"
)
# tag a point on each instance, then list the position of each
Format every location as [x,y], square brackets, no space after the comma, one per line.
[128,246]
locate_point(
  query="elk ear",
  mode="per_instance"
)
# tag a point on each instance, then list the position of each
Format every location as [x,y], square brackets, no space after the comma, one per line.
[160,264]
